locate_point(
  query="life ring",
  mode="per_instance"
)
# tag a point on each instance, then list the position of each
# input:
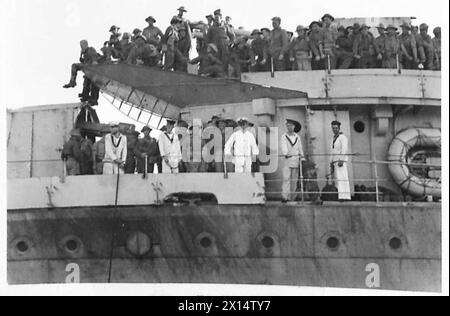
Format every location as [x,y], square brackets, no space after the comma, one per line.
[401,151]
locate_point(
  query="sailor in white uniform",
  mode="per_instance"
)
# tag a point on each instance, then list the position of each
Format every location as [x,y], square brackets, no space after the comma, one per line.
[339,161]
[115,151]
[292,150]
[242,147]
[170,149]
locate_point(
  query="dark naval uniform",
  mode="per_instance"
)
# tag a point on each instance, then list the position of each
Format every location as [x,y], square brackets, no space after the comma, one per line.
[72,154]
[149,146]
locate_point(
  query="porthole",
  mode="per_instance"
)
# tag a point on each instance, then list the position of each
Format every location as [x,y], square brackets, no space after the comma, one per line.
[333,243]
[71,245]
[359,127]
[268,242]
[395,243]
[205,242]
[22,247]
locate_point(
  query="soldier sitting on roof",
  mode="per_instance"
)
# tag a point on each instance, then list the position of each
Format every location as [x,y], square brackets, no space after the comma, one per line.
[210,64]
[143,54]
[89,56]
[136,32]
[126,47]
[106,58]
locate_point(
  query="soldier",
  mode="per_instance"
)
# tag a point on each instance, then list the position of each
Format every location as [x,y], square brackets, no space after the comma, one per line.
[289,64]
[408,43]
[183,49]
[266,34]
[147,147]
[328,41]
[169,43]
[143,54]
[242,147]
[391,48]
[170,149]
[421,57]
[106,57]
[194,163]
[278,45]
[219,160]
[89,56]
[301,49]
[427,43]
[211,147]
[202,40]
[210,64]
[98,153]
[221,36]
[114,41]
[185,22]
[365,49]
[344,50]
[437,48]
[115,151]
[152,33]
[240,57]
[292,150]
[86,162]
[339,161]
[72,153]
[136,32]
[228,20]
[315,38]
[130,163]
[127,46]
[380,42]
[258,52]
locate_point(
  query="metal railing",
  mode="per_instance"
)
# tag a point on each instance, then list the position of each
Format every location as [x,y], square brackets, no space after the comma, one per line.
[302,180]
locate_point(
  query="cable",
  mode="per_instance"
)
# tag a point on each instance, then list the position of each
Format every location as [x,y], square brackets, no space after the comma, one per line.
[113,232]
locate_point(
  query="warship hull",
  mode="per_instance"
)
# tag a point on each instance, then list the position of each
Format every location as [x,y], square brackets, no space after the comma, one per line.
[362,245]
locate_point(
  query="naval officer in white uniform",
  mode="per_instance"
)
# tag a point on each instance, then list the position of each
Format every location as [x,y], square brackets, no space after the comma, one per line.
[339,162]
[292,150]
[170,149]
[115,151]
[242,147]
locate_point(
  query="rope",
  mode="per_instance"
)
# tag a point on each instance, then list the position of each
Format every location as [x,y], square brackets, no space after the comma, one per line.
[113,232]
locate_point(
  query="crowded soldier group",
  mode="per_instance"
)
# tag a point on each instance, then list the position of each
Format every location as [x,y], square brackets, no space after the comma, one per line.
[118,153]
[224,51]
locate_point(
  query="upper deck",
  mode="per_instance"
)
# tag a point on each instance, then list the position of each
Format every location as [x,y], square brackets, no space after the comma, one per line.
[358,86]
